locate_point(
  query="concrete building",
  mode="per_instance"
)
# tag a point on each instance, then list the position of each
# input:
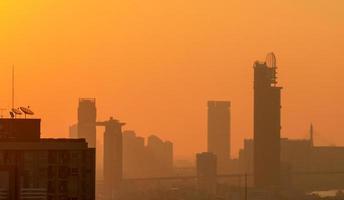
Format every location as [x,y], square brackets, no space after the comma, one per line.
[113,157]
[267,124]
[296,152]
[302,157]
[206,173]
[140,160]
[87,116]
[219,132]
[160,157]
[134,155]
[35,168]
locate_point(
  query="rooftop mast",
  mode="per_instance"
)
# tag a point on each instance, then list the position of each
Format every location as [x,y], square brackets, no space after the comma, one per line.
[12,87]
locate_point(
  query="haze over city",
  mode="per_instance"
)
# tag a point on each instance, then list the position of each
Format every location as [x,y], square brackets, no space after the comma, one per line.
[155,64]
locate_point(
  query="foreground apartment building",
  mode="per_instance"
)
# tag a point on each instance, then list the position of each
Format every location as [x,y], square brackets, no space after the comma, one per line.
[36,168]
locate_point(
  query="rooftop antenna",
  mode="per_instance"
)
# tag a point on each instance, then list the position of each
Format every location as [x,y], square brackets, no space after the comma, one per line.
[16,111]
[12,86]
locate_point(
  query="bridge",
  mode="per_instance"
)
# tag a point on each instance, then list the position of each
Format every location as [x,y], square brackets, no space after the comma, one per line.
[235,175]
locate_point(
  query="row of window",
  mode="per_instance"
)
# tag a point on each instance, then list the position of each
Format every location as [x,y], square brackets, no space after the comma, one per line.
[54,157]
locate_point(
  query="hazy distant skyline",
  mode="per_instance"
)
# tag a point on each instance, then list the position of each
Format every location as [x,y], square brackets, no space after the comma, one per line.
[155,64]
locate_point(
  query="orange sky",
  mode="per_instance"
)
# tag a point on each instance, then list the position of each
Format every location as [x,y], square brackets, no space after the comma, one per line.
[154,64]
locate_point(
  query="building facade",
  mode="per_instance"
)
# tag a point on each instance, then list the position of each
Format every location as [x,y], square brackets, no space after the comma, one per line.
[219,132]
[320,162]
[35,168]
[206,164]
[140,160]
[134,155]
[267,124]
[113,157]
[87,117]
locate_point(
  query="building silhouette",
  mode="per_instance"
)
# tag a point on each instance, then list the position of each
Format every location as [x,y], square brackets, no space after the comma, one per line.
[140,160]
[36,168]
[267,125]
[134,155]
[160,156]
[206,164]
[219,132]
[110,160]
[113,157]
[87,116]
[303,157]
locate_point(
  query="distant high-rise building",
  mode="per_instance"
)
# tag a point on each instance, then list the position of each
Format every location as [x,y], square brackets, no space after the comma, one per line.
[267,123]
[141,161]
[73,131]
[113,157]
[36,168]
[134,155]
[219,132]
[301,156]
[87,116]
[206,172]
[160,156]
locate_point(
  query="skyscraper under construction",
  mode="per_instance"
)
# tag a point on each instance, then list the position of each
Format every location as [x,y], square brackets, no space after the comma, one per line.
[267,123]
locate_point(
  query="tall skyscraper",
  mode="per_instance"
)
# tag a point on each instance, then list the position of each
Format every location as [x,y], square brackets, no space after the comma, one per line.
[113,157]
[219,132]
[87,116]
[267,123]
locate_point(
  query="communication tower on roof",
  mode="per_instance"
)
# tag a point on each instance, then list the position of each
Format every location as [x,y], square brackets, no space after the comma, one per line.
[14,112]
[18,111]
[272,64]
[271,60]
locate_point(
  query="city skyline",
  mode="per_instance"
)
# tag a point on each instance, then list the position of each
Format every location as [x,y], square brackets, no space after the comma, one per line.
[275,166]
[143,72]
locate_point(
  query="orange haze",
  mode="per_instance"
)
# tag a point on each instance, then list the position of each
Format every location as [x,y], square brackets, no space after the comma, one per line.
[154,64]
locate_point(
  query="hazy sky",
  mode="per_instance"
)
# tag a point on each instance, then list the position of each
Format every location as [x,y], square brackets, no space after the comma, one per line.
[154,64]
